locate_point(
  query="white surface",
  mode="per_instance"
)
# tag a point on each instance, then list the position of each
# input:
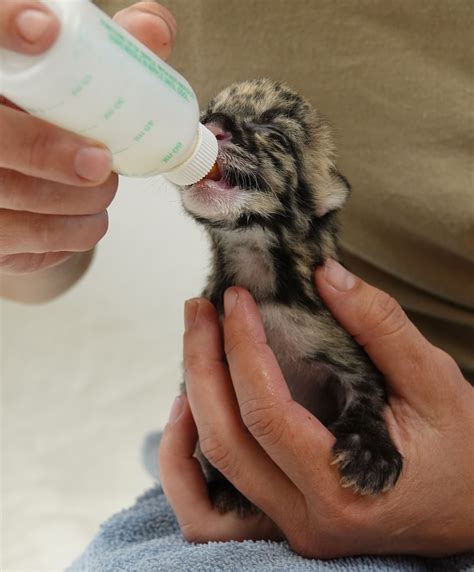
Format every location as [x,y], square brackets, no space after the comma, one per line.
[86,376]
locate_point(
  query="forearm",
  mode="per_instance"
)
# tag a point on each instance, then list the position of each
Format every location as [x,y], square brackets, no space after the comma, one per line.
[44,285]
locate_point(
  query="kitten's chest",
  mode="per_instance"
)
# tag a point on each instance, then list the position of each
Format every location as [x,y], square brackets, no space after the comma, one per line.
[293,336]
[248,261]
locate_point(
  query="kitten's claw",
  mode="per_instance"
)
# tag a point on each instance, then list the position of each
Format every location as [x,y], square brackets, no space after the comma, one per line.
[369,464]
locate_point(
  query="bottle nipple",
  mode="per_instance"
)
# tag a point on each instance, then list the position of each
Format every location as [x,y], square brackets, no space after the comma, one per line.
[214,174]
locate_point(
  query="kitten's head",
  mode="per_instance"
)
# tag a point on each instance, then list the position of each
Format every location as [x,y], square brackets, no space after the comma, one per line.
[275,159]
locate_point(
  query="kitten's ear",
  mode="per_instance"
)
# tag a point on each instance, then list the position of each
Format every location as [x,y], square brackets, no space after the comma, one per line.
[333,194]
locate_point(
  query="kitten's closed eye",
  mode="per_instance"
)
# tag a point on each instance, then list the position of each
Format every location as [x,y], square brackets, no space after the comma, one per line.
[274,132]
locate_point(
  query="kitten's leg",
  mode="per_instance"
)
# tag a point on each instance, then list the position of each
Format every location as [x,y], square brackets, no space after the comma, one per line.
[222,493]
[368,460]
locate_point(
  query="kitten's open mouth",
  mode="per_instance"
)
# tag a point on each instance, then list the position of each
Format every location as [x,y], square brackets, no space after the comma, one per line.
[213,181]
[212,196]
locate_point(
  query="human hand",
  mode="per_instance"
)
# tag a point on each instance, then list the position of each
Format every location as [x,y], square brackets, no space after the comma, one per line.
[55,186]
[279,456]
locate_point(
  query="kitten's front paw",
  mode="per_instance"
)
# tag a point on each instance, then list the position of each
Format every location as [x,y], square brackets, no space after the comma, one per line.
[225,497]
[369,463]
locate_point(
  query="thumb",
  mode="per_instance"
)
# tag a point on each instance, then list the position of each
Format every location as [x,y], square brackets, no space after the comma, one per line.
[27,26]
[379,325]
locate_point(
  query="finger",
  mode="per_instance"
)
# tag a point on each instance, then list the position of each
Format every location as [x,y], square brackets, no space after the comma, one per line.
[22,232]
[185,487]
[223,439]
[152,24]
[27,263]
[39,149]
[380,326]
[27,26]
[22,193]
[188,494]
[296,441]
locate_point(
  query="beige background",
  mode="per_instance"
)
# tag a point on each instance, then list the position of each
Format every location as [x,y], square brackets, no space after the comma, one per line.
[395,79]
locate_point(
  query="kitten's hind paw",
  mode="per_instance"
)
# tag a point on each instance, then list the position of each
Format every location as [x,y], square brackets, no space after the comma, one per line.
[225,497]
[369,463]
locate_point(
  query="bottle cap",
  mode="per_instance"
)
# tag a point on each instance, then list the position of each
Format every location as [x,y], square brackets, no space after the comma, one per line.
[200,163]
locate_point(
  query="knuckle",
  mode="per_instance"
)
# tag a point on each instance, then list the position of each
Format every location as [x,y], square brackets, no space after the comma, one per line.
[101,227]
[444,360]
[44,232]
[236,342]
[316,542]
[263,420]
[384,315]
[97,199]
[305,546]
[109,191]
[7,262]
[195,364]
[192,533]
[9,188]
[5,235]
[217,453]
[91,230]
[346,518]
[166,448]
[40,140]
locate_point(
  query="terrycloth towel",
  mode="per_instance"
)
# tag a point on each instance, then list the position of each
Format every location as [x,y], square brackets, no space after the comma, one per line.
[146,538]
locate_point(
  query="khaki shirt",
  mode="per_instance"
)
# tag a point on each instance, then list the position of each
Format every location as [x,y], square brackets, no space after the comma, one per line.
[394,78]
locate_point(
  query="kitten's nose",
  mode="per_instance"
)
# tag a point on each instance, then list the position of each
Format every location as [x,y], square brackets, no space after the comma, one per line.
[221,134]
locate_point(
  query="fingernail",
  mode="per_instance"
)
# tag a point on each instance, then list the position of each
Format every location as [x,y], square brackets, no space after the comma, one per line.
[93,163]
[338,276]
[32,24]
[190,313]
[176,408]
[230,300]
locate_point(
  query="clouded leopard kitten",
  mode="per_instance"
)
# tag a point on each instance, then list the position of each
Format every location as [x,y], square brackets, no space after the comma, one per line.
[271,219]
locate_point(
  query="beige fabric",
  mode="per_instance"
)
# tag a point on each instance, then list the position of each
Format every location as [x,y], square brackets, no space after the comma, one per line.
[395,79]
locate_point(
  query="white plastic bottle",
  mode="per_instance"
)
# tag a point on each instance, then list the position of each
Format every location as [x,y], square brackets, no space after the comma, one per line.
[99,81]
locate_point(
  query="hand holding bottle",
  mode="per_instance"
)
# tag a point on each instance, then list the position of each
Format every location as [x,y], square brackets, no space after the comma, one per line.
[55,186]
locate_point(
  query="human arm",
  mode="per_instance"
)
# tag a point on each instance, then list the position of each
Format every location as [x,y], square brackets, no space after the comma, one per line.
[55,186]
[279,456]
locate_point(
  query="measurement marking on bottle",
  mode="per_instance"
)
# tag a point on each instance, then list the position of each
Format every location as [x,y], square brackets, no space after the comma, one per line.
[117,104]
[84,82]
[158,70]
[146,129]
[172,153]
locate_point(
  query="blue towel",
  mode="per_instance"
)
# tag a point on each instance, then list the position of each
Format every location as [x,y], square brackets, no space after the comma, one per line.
[146,538]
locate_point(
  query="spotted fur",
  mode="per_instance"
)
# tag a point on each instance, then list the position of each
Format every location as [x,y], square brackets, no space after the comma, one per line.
[273,223]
